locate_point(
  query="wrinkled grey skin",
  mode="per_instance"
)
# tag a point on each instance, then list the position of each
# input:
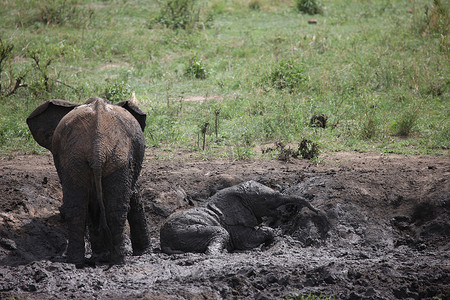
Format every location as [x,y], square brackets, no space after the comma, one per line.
[230,220]
[98,150]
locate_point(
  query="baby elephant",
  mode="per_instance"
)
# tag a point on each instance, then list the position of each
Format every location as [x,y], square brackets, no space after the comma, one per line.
[230,220]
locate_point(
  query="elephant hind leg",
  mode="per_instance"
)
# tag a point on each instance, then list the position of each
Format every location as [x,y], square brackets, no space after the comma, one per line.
[245,238]
[181,238]
[140,240]
[116,195]
[75,207]
[99,244]
[220,241]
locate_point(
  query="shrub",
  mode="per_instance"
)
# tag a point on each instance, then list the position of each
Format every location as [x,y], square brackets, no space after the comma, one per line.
[437,19]
[62,13]
[42,80]
[54,12]
[404,125]
[319,120]
[254,5]
[369,126]
[117,91]
[180,14]
[308,149]
[10,81]
[196,68]
[310,7]
[287,74]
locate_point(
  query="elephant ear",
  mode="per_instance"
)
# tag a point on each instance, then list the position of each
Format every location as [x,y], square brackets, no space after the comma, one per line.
[137,113]
[44,119]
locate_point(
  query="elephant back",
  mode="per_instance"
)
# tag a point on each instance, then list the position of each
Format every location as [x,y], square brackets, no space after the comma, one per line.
[97,135]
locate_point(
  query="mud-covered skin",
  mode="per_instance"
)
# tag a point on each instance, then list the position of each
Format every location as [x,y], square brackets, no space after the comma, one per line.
[98,150]
[230,220]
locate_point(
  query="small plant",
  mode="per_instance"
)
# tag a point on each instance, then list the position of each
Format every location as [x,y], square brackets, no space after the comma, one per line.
[203,129]
[434,19]
[319,120]
[53,12]
[404,125]
[437,18]
[310,7]
[308,149]
[42,80]
[369,126]
[196,68]
[287,74]
[117,91]
[254,5]
[241,152]
[216,122]
[286,153]
[42,63]
[180,14]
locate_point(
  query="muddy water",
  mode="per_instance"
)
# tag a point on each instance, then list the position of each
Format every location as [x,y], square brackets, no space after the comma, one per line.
[383,233]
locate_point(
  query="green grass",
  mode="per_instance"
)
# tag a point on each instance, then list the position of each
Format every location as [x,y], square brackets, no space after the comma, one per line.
[379,72]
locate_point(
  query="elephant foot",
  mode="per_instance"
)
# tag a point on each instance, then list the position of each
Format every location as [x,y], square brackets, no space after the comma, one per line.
[140,246]
[139,252]
[79,264]
[169,250]
[77,260]
[117,260]
[100,257]
[218,244]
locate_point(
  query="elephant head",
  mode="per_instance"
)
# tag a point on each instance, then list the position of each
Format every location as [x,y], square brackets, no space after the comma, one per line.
[259,199]
[46,117]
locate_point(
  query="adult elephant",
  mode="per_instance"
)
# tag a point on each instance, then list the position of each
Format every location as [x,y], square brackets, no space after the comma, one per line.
[230,220]
[98,150]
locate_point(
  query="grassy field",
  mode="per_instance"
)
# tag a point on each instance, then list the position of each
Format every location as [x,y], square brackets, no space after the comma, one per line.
[237,74]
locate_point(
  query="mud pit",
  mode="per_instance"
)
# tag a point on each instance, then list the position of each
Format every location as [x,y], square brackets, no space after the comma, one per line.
[384,232]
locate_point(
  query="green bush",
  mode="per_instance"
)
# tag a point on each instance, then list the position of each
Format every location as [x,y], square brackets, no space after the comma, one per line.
[180,14]
[196,68]
[310,7]
[433,19]
[437,18]
[287,74]
[117,91]
[404,125]
[36,76]
[369,126]
[55,13]
[62,13]
[254,5]
[10,81]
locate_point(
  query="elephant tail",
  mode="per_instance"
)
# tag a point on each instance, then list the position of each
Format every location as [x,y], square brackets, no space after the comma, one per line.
[101,204]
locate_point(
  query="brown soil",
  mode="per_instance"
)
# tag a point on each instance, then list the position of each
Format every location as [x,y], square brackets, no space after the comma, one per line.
[383,233]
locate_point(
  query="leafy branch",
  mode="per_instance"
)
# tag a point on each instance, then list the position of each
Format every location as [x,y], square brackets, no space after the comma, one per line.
[8,87]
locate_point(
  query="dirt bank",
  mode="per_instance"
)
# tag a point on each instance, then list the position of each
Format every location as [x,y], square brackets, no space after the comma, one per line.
[383,233]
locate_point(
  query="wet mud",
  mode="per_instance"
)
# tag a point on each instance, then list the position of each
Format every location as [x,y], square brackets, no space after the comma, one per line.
[383,232]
